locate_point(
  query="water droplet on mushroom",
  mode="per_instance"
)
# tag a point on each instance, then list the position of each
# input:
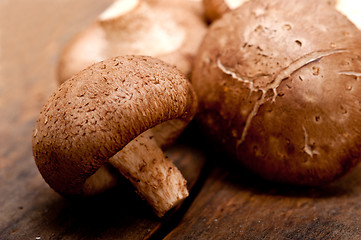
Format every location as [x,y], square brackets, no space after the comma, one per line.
[349,87]
[332,45]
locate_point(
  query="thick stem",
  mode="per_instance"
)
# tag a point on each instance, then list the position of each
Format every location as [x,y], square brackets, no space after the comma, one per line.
[156,178]
[100,181]
[166,134]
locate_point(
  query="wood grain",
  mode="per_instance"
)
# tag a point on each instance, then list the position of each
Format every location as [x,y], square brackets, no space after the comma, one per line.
[234,204]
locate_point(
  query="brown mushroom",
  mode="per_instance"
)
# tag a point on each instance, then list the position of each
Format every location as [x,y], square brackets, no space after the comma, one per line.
[116,113]
[279,88]
[171,32]
[214,9]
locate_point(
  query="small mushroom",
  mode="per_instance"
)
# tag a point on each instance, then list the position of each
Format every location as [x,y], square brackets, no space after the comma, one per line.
[119,114]
[170,31]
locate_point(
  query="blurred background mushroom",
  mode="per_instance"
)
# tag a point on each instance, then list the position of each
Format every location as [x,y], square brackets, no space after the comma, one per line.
[169,30]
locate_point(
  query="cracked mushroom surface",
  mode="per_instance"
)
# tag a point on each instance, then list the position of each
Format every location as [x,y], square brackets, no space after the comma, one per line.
[116,114]
[168,30]
[279,89]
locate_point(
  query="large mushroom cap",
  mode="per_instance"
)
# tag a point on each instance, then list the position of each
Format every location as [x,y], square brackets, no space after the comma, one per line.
[171,32]
[96,113]
[278,85]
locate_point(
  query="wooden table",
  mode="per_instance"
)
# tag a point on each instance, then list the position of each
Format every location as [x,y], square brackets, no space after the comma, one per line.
[226,202]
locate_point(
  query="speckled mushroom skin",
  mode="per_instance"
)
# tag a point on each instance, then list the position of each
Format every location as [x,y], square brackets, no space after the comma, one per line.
[98,111]
[171,32]
[279,89]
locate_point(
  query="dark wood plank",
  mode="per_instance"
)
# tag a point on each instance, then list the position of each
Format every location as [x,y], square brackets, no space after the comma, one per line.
[31,209]
[234,204]
[32,35]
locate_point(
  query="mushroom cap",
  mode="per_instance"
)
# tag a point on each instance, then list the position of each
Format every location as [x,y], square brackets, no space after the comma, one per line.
[214,9]
[171,32]
[279,89]
[98,111]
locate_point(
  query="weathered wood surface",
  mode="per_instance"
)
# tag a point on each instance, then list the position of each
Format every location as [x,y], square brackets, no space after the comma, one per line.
[231,204]
[234,204]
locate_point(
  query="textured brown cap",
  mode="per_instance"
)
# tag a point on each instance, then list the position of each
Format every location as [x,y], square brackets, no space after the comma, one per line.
[97,112]
[279,88]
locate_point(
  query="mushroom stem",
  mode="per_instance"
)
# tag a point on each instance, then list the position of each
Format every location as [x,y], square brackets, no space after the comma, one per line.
[155,177]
